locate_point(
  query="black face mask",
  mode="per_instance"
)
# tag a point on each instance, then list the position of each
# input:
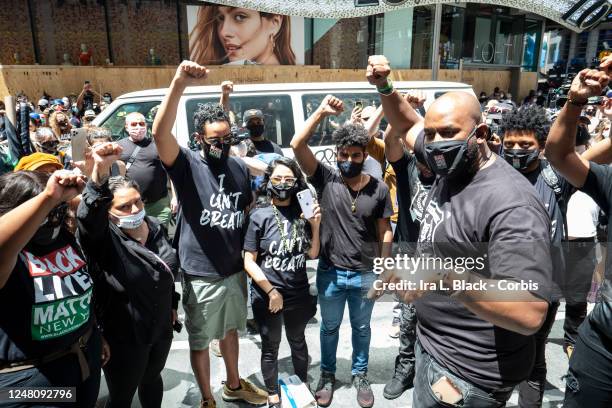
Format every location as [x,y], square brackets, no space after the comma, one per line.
[216,153]
[256,130]
[520,159]
[281,191]
[349,169]
[451,158]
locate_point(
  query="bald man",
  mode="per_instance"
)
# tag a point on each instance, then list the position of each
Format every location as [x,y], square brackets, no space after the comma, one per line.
[143,165]
[478,310]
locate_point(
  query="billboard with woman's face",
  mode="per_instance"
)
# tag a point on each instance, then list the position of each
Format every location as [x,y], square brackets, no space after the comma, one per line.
[220,35]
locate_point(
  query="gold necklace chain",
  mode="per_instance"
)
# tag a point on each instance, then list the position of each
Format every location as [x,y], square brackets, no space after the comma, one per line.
[354,201]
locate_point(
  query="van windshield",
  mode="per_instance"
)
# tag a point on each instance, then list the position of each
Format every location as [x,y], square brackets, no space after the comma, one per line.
[277,110]
[116,121]
[323,134]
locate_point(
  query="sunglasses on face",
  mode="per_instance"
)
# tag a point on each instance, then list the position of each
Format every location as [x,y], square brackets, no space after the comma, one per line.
[134,124]
[290,181]
[225,139]
[49,146]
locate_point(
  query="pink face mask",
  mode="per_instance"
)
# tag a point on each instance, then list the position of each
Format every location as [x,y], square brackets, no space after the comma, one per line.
[137,133]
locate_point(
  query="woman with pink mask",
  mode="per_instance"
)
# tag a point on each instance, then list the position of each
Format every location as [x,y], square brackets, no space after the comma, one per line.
[233,35]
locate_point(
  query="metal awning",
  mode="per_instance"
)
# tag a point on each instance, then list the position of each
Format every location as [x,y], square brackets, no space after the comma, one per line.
[553,9]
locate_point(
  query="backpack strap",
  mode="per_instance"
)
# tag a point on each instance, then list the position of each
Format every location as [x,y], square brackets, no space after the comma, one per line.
[132,158]
[552,180]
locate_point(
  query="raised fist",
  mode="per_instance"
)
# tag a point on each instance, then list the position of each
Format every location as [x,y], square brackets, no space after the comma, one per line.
[227,87]
[331,106]
[64,185]
[378,70]
[190,73]
[416,99]
[106,154]
[588,83]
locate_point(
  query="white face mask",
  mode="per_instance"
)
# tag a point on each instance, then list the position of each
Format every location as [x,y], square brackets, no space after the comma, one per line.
[131,221]
[137,133]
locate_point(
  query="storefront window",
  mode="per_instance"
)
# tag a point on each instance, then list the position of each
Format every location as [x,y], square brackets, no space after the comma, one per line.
[532,40]
[394,37]
[492,36]
[604,45]
[484,50]
[338,43]
[422,37]
[508,41]
[451,36]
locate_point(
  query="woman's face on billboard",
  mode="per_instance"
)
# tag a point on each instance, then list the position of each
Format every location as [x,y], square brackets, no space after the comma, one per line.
[246,35]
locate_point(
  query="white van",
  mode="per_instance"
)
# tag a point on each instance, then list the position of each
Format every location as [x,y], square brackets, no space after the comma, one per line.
[285,105]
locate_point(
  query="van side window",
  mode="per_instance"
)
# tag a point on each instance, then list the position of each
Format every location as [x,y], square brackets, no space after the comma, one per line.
[323,134]
[116,121]
[277,110]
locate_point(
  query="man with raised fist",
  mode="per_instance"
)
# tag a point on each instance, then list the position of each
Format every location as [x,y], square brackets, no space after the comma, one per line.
[215,193]
[589,379]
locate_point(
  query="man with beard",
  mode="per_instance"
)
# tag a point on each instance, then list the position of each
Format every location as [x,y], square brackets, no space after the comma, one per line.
[355,230]
[474,344]
[589,379]
[215,192]
[524,133]
[414,180]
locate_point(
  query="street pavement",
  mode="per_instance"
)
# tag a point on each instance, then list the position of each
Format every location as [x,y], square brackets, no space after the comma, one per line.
[180,388]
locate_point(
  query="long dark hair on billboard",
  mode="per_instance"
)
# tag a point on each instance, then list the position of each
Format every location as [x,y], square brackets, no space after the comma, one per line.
[225,35]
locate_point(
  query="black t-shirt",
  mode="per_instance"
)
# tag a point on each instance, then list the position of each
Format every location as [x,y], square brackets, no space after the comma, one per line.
[556,211]
[350,240]
[597,328]
[46,301]
[411,199]
[551,201]
[267,146]
[147,169]
[284,268]
[213,215]
[498,216]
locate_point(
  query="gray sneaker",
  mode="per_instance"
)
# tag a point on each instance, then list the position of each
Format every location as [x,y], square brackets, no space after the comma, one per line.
[365,396]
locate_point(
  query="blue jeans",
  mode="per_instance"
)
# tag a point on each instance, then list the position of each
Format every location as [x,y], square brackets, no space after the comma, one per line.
[337,287]
[428,371]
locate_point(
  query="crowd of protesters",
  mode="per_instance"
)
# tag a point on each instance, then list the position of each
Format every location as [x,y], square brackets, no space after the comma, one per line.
[88,270]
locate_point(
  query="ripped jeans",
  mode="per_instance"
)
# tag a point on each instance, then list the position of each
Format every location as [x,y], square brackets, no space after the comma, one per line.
[428,371]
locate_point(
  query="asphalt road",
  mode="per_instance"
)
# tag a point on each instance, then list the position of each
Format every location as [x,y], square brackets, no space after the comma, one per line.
[180,389]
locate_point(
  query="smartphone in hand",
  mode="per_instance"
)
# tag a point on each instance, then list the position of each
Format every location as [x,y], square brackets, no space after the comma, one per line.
[78,143]
[307,201]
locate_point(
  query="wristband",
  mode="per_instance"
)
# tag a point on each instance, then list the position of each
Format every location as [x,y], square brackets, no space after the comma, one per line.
[268,292]
[387,90]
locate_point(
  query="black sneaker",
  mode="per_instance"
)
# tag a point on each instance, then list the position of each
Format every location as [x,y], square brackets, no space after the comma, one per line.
[398,385]
[325,389]
[365,396]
